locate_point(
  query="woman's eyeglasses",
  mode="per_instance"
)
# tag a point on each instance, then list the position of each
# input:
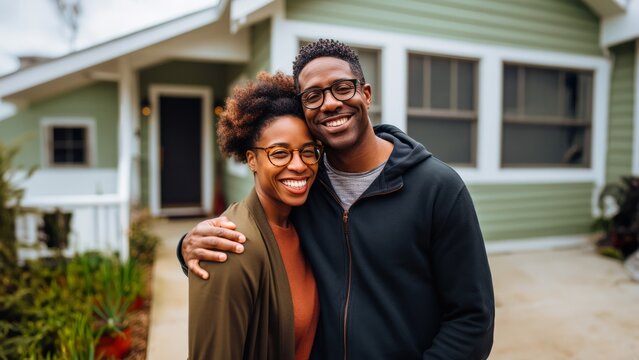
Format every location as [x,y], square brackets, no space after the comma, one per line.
[281,156]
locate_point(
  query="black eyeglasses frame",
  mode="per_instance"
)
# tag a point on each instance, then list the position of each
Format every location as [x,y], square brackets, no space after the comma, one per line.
[330,88]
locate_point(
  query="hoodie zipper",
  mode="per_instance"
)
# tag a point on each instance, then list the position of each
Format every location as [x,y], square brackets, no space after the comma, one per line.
[350,278]
[345,215]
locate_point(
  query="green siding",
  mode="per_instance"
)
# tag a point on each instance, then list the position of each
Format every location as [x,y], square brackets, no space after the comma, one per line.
[97,101]
[216,76]
[620,126]
[568,25]
[260,48]
[532,210]
[236,187]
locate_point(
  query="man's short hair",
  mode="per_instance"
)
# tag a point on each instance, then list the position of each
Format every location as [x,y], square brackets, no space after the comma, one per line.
[326,48]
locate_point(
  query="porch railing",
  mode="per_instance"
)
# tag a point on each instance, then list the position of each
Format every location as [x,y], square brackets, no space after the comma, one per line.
[96,224]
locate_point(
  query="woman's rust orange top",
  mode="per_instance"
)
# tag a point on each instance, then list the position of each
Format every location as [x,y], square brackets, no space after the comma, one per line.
[303,289]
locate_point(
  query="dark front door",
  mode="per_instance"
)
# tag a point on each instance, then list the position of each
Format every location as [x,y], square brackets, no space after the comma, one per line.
[181,152]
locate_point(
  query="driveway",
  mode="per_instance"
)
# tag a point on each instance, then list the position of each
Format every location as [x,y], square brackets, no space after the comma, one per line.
[559,304]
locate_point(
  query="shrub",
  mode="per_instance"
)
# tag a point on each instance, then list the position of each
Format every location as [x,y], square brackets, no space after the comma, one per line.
[621,230]
[142,243]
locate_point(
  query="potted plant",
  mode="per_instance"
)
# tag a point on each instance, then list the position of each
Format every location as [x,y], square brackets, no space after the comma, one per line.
[56,228]
[621,231]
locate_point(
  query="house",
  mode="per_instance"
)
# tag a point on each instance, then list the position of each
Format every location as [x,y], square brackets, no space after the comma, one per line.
[532,102]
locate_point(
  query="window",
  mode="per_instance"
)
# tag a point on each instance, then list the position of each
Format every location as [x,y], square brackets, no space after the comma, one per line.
[369,59]
[546,117]
[370,62]
[442,110]
[67,143]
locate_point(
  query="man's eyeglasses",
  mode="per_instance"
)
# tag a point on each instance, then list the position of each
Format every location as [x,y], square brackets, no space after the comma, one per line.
[281,156]
[341,90]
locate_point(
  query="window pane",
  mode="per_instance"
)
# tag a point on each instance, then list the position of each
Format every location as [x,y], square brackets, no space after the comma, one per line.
[543,144]
[415,81]
[570,94]
[69,145]
[448,140]
[60,156]
[541,92]
[369,61]
[465,85]
[77,134]
[440,83]
[584,98]
[60,134]
[375,117]
[77,155]
[510,89]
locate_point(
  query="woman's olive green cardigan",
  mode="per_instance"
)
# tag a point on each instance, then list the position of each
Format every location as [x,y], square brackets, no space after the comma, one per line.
[244,310]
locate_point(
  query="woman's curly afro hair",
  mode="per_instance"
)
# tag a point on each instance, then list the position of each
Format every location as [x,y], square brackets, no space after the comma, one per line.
[326,48]
[251,107]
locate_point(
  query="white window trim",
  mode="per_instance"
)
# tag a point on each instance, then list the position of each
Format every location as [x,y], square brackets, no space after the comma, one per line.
[47,122]
[395,47]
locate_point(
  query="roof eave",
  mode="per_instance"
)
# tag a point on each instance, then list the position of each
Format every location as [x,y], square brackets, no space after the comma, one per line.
[29,77]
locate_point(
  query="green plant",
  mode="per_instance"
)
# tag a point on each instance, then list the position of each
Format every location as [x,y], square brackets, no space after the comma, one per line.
[112,310]
[621,230]
[142,242]
[132,279]
[78,340]
[10,197]
[117,285]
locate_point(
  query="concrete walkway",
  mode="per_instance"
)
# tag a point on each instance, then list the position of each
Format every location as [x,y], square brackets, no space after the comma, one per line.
[561,304]
[168,333]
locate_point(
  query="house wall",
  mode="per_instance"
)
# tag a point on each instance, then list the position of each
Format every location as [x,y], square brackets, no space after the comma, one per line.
[97,102]
[260,48]
[622,95]
[237,179]
[532,210]
[511,203]
[216,76]
[567,26]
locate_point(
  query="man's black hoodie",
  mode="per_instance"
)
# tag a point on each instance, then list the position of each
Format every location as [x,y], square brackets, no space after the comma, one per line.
[402,274]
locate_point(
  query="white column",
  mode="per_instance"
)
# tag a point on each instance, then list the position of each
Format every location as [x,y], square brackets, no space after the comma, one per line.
[489,115]
[284,41]
[135,140]
[395,84]
[126,108]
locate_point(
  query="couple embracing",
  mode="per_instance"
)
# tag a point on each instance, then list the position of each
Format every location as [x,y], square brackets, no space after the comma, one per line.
[355,243]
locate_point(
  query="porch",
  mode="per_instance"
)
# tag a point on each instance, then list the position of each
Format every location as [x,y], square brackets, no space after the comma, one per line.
[143,105]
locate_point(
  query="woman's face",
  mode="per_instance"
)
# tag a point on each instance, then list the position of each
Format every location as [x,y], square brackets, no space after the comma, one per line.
[284,185]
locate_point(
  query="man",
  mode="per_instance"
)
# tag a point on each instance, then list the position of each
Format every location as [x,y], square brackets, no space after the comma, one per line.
[390,231]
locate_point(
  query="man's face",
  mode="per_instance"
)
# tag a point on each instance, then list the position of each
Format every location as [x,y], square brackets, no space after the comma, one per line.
[338,124]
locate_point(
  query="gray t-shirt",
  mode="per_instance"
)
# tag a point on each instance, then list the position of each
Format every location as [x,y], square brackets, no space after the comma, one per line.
[350,186]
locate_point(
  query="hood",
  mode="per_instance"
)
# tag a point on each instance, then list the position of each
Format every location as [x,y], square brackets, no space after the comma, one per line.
[406,152]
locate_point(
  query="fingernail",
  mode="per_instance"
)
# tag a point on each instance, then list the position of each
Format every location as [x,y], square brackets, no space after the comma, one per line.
[223,257]
[239,249]
[242,238]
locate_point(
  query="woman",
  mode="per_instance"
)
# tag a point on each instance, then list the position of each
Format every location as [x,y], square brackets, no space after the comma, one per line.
[262,304]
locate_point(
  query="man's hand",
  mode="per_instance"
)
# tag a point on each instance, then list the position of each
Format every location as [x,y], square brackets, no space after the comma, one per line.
[207,236]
